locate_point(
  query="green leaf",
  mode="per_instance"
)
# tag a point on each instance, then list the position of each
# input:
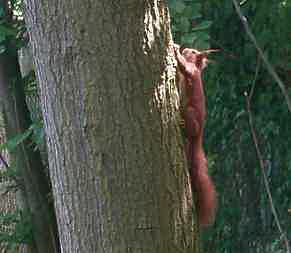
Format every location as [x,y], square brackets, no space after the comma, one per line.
[176,6]
[12,143]
[202,26]
[2,37]
[38,136]
[172,5]
[196,6]
[184,24]
[202,35]
[2,49]
[180,7]
[1,12]
[191,13]
[188,38]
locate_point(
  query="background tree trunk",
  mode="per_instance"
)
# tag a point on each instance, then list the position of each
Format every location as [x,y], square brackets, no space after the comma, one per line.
[27,161]
[109,102]
[24,158]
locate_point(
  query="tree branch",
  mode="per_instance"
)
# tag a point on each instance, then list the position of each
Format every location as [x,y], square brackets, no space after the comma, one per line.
[261,161]
[270,68]
[4,161]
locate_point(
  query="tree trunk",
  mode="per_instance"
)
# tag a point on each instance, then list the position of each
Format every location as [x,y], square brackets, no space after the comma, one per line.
[109,102]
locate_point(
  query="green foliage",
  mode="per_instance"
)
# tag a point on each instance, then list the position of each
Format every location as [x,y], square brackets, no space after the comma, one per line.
[29,82]
[11,26]
[244,218]
[34,134]
[7,175]
[188,27]
[15,229]
[6,31]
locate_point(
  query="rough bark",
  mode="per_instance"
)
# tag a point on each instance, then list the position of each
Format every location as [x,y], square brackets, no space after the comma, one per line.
[8,199]
[109,102]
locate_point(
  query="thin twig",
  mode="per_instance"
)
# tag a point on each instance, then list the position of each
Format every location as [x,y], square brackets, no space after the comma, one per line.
[4,161]
[270,68]
[261,161]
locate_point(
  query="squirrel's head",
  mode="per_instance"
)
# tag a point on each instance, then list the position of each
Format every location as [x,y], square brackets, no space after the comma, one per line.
[199,58]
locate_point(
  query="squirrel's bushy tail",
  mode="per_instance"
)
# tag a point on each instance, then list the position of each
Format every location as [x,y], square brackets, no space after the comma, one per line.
[204,190]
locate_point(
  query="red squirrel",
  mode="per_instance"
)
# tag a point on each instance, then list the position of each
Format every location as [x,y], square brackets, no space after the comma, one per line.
[191,63]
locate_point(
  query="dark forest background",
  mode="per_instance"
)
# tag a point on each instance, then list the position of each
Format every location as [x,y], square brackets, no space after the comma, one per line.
[239,88]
